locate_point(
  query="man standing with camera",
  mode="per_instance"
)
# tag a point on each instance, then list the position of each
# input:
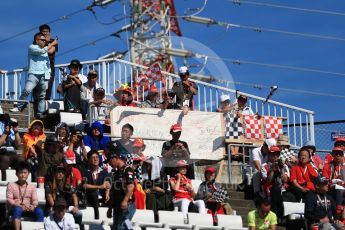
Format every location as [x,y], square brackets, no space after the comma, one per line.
[38,74]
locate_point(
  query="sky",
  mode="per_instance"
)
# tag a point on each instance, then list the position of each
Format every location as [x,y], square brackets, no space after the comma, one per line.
[234,43]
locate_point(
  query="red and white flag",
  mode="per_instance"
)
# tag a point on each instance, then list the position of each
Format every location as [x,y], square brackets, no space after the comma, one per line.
[253,127]
[273,127]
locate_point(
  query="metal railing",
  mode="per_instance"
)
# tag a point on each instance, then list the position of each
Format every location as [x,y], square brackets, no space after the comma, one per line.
[114,72]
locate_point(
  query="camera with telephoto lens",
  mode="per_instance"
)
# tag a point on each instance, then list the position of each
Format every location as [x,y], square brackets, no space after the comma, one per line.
[11,122]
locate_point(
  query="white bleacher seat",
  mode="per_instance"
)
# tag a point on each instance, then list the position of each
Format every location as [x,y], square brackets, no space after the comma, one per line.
[54,106]
[71,118]
[294,210]
[41,196]
[201,221]
[103,216]
[230,222]
[144,218]
[12,177]
[196,184]
[32,225]
[3,194]
[89,216]
[173,220]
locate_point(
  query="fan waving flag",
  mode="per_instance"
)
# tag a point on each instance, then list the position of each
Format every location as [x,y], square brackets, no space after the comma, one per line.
[273,127]
[233,126]
[150,76]
[253,126]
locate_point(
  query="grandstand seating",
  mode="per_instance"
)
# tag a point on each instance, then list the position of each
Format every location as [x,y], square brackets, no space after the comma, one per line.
[201,221]
[144,218]
[173,220]
[32,225]
[228,222]
[293,210]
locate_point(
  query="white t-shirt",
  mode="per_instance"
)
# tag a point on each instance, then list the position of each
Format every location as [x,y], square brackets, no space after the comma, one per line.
[66,223]
[256,155]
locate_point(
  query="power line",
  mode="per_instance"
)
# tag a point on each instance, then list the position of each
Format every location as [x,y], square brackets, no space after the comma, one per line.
[239,2]
[259,29]
[64,17]
[295,68]
[258,86]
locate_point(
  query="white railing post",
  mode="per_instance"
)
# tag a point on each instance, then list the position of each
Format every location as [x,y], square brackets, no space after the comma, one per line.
[311,125]
[104,75]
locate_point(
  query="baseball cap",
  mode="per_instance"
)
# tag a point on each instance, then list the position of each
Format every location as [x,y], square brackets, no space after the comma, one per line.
[320,180]
[183,70]
[181,163]
[138,142]
[176,128]
[270,142]
[153,89]
[60,168]
[224,98]
[274,149]
[242,97]
[51,139]
[338,150]
[210,169]
[70,157]
[77,132]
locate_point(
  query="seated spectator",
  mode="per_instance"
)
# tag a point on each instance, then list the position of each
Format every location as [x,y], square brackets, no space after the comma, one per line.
[155,184]
[320,208]
[21,197]
[71,85]
[151,100]
[9,141]
[316,161]
[96,140]
[125,142]
[62,134]
[182,190]
[97,182]
[60,219]
[48,156]
[334,171]
[124,96]
[101,112]
[240,107]
[302,176]
[184,90]
[225,104]
[76,144]
[87,91]
[34,134]
[206,193]
[262,218]
[275,179]
[58,188]
[174,151]
[339,142]
[73,174]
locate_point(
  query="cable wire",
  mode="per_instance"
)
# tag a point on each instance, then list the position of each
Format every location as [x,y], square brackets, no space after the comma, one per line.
[239,2]
[295,68]
[194,14]
[64,17]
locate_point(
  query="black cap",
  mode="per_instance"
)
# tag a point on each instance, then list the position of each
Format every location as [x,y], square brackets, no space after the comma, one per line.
[77,132]
[51,139]
[77,63]
[60,168]
[320,180]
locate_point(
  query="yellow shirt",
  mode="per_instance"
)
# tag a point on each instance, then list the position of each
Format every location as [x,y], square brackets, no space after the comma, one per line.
[254,220]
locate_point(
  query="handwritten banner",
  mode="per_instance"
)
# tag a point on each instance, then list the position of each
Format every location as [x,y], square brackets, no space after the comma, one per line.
[203,132]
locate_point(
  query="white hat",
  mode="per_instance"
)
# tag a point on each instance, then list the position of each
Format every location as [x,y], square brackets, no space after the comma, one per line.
[224,98]
[270,142]
[183,70]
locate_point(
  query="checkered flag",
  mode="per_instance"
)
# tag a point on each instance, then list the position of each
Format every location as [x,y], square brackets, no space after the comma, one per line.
[233,126]
[253,126]
[286,154]
[273,127]
[220,195]
[129,159]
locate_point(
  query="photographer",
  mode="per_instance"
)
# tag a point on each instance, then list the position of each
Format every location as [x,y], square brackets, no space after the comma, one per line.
[275,178]
[38,75]
[9,141]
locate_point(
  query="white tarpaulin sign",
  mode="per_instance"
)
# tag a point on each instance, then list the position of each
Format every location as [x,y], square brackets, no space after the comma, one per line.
[203,132]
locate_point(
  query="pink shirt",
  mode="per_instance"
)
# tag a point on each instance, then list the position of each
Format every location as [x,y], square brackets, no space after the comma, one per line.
[25,194]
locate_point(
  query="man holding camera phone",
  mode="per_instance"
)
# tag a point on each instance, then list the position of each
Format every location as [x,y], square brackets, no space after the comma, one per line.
[9,141]
[38,74]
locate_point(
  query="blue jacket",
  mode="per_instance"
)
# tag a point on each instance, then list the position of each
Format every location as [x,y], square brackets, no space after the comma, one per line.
[39,60]
[91,142]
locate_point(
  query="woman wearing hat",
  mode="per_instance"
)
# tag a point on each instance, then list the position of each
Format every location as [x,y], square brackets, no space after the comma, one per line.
[207,192]
[71,87]
[182,190]
[151,100]
[124,96]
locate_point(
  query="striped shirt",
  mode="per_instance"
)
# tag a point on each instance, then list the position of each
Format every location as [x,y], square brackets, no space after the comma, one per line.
[25,194]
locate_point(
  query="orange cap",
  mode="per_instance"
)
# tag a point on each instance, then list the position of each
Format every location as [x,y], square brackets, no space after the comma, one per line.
[176,128]
[138,142]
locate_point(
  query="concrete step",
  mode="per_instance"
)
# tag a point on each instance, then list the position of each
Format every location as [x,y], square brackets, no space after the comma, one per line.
[236,195]
[241,203]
